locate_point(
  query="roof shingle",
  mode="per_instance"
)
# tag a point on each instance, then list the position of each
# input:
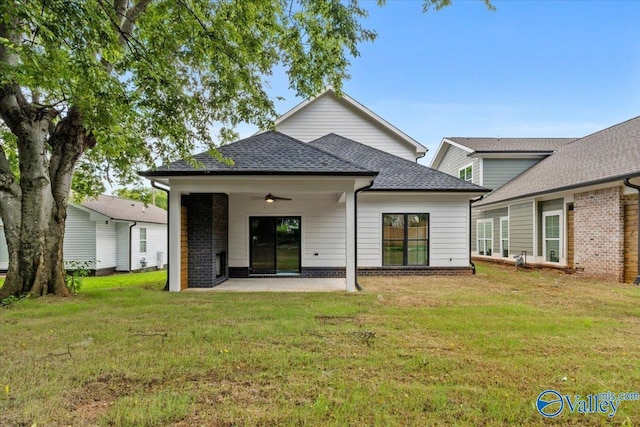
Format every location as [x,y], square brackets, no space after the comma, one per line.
[395,173]
[126,210]
[270,153]
[511,145]
[608,155]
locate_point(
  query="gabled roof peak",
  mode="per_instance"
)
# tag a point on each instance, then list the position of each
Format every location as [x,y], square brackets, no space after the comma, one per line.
[361,109]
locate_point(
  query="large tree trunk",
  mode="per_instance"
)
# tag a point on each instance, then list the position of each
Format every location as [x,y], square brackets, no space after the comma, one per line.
[33,207]
[36,265]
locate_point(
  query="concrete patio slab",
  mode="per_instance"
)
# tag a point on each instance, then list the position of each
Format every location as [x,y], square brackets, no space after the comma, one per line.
[277,285]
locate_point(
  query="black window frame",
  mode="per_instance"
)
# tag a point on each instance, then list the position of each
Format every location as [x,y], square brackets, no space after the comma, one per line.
[405,240]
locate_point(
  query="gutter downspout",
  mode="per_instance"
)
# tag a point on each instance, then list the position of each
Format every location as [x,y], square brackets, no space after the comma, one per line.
[355,219]
[131,246]
[637,188]
[471,202]
[166,190]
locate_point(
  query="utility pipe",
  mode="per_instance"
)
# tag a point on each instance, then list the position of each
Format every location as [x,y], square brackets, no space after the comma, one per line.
[166,190]
[355,219]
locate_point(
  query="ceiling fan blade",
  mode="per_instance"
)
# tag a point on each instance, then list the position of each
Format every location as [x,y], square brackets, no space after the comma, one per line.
[281,198]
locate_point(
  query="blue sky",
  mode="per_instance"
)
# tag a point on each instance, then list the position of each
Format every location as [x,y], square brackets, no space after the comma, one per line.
[531,68]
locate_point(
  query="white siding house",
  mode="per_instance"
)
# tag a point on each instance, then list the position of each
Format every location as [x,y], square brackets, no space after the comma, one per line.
[103,235]
[336,191]
[342,115]
[288,207]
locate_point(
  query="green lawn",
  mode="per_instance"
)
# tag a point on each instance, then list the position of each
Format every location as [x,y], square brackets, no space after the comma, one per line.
[406,351]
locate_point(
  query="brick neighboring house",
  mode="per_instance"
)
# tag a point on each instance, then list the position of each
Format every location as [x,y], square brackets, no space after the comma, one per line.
[577,208]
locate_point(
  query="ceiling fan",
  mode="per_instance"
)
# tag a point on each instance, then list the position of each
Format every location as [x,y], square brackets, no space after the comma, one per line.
[270,198]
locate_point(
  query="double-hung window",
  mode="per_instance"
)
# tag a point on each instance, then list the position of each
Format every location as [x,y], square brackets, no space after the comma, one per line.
[485,236]
[143,240]
[504,236]
[405,239]
[466,173]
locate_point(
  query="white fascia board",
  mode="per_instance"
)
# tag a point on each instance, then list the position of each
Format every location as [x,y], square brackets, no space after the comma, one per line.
[93,215]
[437,158]
[521,155]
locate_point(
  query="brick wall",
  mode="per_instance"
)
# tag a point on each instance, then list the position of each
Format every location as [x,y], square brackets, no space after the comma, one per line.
[599,233]
[415,271]
[207,219]
[340,272]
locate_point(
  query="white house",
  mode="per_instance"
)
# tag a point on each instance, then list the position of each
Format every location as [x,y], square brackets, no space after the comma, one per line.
[296,201]
[110,234]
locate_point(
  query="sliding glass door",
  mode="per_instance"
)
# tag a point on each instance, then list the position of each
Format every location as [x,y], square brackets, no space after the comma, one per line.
[275,245]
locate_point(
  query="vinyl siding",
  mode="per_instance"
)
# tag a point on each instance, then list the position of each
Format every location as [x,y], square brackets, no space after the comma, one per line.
[454,159]
[495,215]
[329,114]
[106,247]
[79,238]
[322,226]
[498,171]
[521,228]
[448,226]
[122,243]
[156,242]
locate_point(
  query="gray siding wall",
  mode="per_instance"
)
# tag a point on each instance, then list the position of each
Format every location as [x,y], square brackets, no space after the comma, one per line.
[546,206]
[498,171]
[521,228]
[454,159]
[494,214]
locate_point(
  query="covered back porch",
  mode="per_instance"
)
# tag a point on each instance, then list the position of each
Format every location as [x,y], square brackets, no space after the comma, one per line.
[225,232]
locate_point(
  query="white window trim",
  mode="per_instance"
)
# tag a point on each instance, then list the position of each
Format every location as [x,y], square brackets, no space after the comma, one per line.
[484,221]
[557,213]
[464,168]
[502,219]
[145,240]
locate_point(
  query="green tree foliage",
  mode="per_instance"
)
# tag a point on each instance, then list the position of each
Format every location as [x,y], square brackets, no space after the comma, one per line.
[106,87]
[103,88]
[149,196]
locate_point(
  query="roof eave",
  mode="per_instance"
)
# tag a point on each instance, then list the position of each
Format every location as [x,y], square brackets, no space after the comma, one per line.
[429,190]
[559,189]
[166,174]
[437,158]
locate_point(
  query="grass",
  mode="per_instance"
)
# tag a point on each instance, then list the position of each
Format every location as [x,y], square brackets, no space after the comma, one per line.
[406,351]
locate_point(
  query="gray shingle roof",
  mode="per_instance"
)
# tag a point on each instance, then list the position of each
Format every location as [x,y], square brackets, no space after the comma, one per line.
[395,173]
[126,210]
[511,145]
[271,153]
[608,155]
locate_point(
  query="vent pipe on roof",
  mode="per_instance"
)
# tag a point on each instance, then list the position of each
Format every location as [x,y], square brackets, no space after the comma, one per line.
[637,188]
